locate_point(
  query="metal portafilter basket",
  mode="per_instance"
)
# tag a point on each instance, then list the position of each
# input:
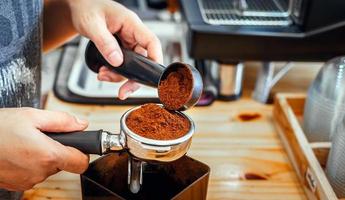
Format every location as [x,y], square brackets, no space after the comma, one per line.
[143,70]
[141,149]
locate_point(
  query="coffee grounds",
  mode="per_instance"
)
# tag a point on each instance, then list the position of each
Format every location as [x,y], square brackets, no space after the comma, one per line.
[154,122]
[175,91]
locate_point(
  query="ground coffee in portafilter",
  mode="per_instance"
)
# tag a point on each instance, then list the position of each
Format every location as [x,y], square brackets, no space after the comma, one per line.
[154,122]
[163,123]
[176,90]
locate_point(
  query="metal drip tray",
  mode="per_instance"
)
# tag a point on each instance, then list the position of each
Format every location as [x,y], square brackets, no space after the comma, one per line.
[242,12]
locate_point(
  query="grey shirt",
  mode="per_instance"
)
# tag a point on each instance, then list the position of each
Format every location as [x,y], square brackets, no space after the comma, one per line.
[20,57]
[20,52]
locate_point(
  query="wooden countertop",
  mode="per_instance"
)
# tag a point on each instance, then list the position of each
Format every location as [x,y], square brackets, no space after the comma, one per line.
[246,157]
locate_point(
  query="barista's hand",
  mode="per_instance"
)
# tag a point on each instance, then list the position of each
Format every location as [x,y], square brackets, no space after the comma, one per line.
[27,156]
[98,20]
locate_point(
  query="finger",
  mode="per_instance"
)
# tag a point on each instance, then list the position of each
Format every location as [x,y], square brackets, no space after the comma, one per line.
[146,39]
[105,42]
[53,121]
[9,187]
[110,77]
[72,160]
[61,157]
[51,171]
[103,68]
[127,89]
[140,50]
[106,74]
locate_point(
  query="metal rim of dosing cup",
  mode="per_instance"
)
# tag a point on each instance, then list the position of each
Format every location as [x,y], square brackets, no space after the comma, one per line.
[194,85]
[153,142]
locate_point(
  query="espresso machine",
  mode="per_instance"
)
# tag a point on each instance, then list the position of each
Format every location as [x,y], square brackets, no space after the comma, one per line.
[229,32]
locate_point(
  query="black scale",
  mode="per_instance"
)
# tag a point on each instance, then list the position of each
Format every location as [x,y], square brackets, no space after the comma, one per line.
[106,179]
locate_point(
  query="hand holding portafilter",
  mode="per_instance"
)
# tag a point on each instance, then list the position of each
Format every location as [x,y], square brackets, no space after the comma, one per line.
[143,70]
[140,148]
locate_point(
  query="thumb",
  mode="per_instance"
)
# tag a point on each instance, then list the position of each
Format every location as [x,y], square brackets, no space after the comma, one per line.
[68,158]
[53,121]
[106,42]
[72,160]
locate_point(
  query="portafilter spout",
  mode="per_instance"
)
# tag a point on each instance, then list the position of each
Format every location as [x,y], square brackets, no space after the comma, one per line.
[143,70]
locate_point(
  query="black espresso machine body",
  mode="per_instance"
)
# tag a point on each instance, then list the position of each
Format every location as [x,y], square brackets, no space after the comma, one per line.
[309,30]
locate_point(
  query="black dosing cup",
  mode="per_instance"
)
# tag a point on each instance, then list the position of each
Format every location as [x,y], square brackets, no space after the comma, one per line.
[135,66]
[143,70]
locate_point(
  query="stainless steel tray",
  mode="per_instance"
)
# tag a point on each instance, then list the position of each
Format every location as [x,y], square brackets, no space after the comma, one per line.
[242,12]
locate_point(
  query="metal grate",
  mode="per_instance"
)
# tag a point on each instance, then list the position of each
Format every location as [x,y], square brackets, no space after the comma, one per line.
[250,12]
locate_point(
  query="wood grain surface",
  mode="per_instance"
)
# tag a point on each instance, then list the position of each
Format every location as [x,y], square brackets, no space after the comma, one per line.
[247,159]
[236,139]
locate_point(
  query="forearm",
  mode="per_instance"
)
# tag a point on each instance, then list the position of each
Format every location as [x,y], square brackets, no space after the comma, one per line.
[57,24]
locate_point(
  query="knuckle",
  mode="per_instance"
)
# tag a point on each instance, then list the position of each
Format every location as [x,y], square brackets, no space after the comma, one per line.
[156,40]
[105,44]
[64,116]
[29,112]
[38,179]
[101,43]
[84,22]
[29,183]
[27,186]
[49,160]
[133,15]
[151,38]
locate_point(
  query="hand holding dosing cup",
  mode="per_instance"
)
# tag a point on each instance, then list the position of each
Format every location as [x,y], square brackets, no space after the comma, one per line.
[186,78]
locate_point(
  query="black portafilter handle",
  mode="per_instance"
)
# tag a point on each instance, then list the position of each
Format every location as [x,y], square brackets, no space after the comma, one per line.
[88,142]
[135,67]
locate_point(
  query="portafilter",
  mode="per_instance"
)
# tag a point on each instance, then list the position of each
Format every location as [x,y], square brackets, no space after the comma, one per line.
[140,148]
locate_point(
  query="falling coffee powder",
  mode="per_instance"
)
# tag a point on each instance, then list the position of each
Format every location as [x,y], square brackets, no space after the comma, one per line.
[176,90]
[154,122]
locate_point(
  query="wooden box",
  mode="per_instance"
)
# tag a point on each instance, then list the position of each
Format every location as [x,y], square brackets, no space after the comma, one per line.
[308,159]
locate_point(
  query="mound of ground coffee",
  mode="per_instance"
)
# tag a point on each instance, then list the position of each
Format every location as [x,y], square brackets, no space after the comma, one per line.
[154,122]
[175,91]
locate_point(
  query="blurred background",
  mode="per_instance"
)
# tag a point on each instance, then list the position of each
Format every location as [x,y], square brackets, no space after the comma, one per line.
[242,47]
